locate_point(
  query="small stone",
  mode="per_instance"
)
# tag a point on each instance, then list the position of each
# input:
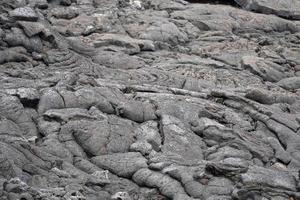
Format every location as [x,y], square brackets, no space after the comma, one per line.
[99,178]
[76,195]
[32,139]
[279,166]
[37,56]
[101,174]
[24,13]
[15,185]
[60,173]
[136,4]
[143,147]
[121,196]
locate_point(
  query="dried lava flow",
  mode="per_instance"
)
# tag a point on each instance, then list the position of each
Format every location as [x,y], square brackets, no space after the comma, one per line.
[223,2]
[144,99]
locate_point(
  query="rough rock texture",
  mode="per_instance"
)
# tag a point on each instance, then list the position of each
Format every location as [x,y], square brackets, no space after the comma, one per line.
[283,8]
[149,100]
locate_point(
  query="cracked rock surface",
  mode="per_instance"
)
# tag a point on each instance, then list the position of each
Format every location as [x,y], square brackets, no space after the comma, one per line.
[149,100]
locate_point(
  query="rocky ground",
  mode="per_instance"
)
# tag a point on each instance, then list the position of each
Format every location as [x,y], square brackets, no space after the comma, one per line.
[149,100]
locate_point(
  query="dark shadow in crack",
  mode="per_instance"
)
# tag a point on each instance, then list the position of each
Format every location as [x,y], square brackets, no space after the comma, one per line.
[223,2]
[30,103]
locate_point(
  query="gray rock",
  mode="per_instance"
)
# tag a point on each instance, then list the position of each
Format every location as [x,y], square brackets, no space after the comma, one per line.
[42,4]
[287,9]
[50,99]
[137,111]
[269,178]
[118,60]
[167,186]
[15,54]
[34,28]
[129,44]
[65,12]
[24,13]
[217,188]
[292,83]
[267,70]
[12,109]
[123,164]
[17,38]
[179,141]
[223,20]
[160,99]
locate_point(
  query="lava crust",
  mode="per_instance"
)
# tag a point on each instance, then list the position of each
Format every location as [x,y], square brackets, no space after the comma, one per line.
[149,100]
